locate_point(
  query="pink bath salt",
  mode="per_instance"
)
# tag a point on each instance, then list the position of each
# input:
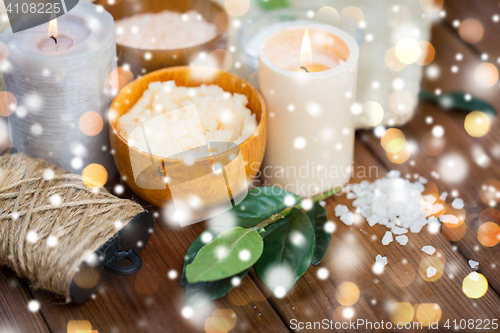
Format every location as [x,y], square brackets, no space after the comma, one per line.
[166,30]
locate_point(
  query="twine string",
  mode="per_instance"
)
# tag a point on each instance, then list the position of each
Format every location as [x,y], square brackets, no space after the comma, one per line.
[81,223]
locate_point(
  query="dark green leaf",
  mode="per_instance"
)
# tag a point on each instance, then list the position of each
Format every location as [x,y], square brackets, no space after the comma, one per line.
[260,204]
[200,293]
[318,218]
[228,254]
[272,4]
[457,101]
[288,250]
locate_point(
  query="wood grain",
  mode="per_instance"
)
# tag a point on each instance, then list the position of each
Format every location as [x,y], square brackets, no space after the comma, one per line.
[459,142]
[14,313]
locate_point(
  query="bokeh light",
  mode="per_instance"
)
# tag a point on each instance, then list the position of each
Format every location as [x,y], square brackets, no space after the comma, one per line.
[373,113]
[436,261]
[477,124]
[475,285]
[87,277]
[79,325]
[408,51]
[427,53]
[401,102]
[91,123]
[94,175]
[401,156]
[353,13]
[8,103]
[120,77]
[224,320]
[489,192]
[432,145]
[222,24]
[428,313]
[453,168]
[237,7]
[347,293]
[328,15]
[431,5]
[454,232]
[401,312]
[392,61]
[488,234]
[486,75]
[393,140]
[221,59]
[471,30]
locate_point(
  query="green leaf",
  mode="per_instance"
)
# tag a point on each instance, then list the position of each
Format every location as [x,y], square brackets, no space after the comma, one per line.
[272,4]
[318,218]
[260,204]
[193,251]
[197,294]
[288,250]
[223,256]
[456,100]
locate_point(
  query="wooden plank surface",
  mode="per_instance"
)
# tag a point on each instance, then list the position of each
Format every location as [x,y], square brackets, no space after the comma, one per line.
[457,142]
[152,302]
[14,314]
[351,257]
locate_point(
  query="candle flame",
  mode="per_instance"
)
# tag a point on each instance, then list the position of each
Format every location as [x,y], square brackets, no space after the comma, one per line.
[53,28]
[305,50]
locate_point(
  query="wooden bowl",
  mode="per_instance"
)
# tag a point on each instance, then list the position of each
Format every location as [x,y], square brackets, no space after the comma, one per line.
[198,178]
[135,58]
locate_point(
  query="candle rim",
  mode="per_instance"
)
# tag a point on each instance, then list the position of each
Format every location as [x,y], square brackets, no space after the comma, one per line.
[84,11]
[346,38]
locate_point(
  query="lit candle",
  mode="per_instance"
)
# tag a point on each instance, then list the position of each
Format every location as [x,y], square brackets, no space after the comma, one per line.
[59,72]
[308,80]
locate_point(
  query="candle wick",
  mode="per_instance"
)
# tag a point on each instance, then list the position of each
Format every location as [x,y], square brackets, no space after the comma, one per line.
[302,67]
[54,38]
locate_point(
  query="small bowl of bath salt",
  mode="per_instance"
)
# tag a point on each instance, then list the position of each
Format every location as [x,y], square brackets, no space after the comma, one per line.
[152,34]
[189,139]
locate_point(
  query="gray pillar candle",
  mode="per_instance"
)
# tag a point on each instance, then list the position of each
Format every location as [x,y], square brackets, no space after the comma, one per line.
[63,90]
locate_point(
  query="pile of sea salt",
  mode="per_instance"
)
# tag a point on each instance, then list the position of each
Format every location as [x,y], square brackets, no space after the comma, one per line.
[397,204]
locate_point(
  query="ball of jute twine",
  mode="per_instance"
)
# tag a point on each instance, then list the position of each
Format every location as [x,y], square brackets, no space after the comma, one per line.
[31,223]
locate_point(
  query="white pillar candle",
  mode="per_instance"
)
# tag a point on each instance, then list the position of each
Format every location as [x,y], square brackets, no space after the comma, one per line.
[56,85]
[310,126]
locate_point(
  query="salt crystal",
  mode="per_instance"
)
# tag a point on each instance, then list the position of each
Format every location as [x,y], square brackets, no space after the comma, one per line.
[474,276]
[429,249]
[449,218]
[403,240]
[341,209]
[431,271]
[399,230]
[172,30]
[347,218]
[381,260]
[473,264]
[372,220]
[350,196]
[387,238]
[394,174]
[443,196]
[416,226]
[457,203]
[423,180]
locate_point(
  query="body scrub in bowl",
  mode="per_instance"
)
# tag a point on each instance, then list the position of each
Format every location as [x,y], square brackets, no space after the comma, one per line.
[166,30]
[217,116]
[154,34]
[191,138]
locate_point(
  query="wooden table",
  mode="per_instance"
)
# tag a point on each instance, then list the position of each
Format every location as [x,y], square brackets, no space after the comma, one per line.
[151,302]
